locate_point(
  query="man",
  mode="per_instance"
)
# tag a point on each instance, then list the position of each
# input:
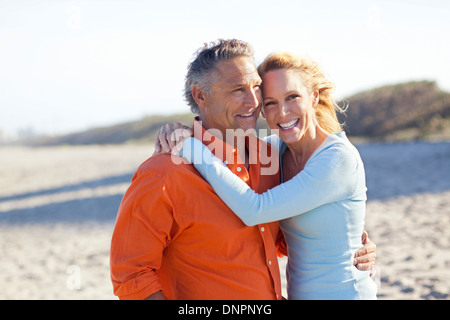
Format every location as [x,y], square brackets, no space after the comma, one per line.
[174,238]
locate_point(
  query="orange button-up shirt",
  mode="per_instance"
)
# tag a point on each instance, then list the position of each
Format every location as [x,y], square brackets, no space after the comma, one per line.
[173,233]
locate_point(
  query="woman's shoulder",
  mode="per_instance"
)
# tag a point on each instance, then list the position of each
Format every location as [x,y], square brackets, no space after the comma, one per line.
[337,145]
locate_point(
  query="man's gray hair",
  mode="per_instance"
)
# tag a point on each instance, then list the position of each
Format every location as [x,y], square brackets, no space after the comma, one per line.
[206,59]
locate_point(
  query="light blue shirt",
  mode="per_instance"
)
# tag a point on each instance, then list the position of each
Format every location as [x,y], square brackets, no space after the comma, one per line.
[321,210]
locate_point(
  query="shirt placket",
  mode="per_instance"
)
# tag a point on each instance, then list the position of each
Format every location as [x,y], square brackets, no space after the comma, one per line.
[235,163]
[231,158]
[271,257]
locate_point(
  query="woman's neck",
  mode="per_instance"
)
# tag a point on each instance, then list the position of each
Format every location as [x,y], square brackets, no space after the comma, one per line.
[299,152]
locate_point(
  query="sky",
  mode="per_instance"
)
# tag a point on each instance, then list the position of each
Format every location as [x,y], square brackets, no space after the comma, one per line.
[68,65]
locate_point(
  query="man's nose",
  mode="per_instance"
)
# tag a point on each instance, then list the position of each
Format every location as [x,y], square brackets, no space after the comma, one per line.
[253,98]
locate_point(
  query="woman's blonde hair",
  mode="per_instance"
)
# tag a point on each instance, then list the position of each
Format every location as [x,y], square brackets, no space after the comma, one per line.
[314,79]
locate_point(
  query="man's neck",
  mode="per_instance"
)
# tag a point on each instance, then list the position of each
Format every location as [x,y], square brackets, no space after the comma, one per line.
[228,136]
[238,141]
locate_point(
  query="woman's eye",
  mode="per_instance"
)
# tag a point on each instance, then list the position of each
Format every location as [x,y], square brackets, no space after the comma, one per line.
[268,104]
[293,96]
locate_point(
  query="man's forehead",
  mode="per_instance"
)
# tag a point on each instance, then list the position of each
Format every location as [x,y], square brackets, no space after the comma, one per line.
[239,70]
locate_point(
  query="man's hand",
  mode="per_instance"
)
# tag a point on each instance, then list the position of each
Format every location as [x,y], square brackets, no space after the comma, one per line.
[156,296]
[365,257]
[169,136]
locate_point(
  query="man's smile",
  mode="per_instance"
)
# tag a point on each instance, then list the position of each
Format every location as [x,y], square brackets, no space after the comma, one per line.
[247,115]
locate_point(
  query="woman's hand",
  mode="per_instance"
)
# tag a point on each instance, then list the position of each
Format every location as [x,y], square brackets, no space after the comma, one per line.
[365,257]
[170,138]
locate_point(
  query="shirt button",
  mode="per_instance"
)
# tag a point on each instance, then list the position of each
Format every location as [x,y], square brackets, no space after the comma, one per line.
[270,262]
[239,169]
[225,162]
[262,229]
[234,150]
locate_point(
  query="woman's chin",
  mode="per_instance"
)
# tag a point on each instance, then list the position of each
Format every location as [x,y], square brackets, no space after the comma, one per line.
[287,135]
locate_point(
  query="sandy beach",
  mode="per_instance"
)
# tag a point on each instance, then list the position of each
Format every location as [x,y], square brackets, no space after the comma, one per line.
[58,207]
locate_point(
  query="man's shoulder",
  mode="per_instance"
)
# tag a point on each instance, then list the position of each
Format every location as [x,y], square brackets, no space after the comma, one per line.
[162,173]
[165,164]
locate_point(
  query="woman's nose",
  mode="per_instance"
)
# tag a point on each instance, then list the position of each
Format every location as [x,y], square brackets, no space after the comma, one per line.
[283,109]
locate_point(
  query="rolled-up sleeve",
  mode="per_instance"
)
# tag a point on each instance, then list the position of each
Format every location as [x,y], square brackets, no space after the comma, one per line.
[142,232]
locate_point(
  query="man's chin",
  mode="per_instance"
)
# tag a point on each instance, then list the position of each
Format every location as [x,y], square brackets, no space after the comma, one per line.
[245,128]
[246,123]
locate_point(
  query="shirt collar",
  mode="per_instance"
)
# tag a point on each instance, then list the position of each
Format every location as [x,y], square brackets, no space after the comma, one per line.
[228,153]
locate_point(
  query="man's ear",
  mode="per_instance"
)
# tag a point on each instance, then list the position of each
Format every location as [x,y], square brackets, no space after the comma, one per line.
[199,96]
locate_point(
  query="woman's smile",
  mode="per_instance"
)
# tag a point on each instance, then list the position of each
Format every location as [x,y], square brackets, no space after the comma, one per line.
[288,125]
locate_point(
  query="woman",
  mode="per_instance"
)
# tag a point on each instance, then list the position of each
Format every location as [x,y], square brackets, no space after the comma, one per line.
[321,200]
